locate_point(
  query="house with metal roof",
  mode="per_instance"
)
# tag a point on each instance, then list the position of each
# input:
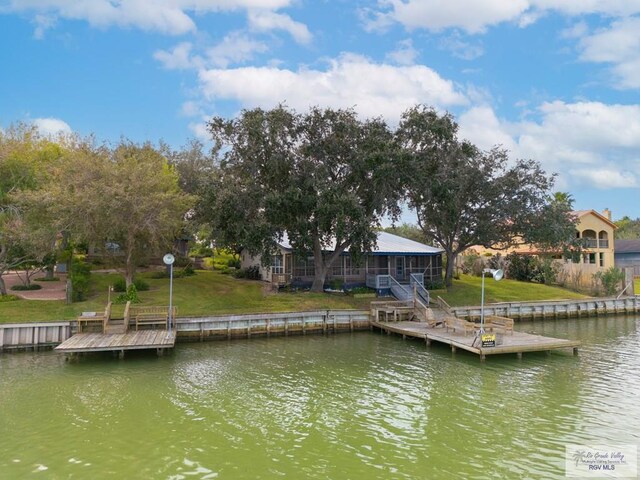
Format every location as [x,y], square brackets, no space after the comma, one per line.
[393,260]
[627,254]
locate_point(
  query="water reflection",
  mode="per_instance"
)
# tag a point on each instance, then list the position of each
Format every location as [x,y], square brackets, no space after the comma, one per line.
[344,406]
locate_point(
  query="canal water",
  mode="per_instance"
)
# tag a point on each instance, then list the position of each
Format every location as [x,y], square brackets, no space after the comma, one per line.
[347,406]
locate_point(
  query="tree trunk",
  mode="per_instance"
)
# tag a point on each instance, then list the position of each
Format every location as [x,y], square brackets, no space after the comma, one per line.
[3,287]
[130,267]
[48,272]
[451,261]
[319,277]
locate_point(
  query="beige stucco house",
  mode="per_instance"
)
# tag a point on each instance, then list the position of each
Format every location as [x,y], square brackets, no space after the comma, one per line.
[595,229]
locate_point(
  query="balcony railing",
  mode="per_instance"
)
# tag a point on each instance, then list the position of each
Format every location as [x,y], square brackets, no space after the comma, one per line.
[595,243]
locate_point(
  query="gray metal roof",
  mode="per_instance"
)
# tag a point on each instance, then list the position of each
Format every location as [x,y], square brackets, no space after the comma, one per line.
[627,246]
[386,244]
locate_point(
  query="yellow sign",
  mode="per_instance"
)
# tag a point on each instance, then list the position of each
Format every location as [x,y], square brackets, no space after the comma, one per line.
[488,339]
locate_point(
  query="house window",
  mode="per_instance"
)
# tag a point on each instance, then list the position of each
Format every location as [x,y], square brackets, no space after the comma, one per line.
[601,259]
[349,267]
[277,264]
[592,258]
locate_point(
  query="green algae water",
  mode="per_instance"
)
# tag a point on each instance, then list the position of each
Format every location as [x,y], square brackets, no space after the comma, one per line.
[347,406]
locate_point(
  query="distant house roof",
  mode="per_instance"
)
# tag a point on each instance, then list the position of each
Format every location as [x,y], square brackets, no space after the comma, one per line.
[627,246]
[386,244]
[582,213]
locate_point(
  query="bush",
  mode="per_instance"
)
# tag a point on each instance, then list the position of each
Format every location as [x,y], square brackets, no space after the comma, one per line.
[435,284]
[23,288]
[610,279]
[8,298]
[45,279]
[521,267]
[131,295]
[120,285]
[233,263]
[361,290]
[251,273]
[336,284]
[546,271]
[79,276]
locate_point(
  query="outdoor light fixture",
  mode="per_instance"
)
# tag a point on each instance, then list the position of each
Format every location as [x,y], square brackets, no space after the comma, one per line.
[168,260]
[497,276]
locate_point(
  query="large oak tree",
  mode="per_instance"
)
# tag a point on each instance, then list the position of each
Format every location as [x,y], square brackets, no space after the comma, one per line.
[325,177]
[464,196]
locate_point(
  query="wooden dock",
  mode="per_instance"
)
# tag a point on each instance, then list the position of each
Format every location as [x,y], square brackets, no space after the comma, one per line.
[515,342]
[118,342]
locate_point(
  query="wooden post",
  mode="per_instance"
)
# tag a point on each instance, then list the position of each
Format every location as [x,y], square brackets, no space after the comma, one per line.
[286,326]
[575,350]
[268,327]
[427,341]
[453,349]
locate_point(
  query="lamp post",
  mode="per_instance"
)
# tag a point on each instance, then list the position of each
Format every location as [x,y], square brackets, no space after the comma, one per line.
[497,276]
[168,260]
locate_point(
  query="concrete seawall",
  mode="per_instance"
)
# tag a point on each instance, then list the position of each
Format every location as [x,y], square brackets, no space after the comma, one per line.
[587,307]
[26,336]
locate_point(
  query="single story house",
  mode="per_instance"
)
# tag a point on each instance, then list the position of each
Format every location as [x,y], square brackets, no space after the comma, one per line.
[627,254]
[392,259]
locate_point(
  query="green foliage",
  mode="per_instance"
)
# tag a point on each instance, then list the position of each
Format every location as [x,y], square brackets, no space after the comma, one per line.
[336,284]
[279,168]
[131,295]
[8,298]
[251,273]
[45,279]
[469,262]
[610,279]
[21,288]
[361,290]
[628,229]
[464,196]
[120,285]
[80,276]
[407,230]
[233,263]
[521,267]
[546,271]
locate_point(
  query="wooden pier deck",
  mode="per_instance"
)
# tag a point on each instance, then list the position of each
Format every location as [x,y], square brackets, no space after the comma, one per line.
[118,342]
[516,342]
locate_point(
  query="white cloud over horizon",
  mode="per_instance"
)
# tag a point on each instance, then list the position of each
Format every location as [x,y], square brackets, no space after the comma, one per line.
[52,126]
[373,89]
[475,17]
[587,143]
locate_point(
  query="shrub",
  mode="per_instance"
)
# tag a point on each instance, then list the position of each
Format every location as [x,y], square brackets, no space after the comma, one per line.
[251,273]
[233,263]
[131,295]
[22,288]
[468,261]
[361,290]
[8,298]
[188,271]
[546,271]
[521,267]
[435,284]
[336,284]
[45,279]
[120,285]
[79,276]
[610,279]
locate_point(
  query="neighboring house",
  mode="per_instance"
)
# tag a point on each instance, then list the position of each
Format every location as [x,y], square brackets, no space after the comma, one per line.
[393,258]
[596,230]
[627,254]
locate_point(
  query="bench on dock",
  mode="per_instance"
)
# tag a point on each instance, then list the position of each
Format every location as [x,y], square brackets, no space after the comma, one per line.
[94,319]
[493,323]
[457,324]
[149,316]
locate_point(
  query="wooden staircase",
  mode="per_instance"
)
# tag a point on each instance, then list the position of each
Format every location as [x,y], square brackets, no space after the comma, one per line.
[115,325]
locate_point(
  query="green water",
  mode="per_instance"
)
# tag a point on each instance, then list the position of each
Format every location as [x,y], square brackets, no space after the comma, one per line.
[360,406]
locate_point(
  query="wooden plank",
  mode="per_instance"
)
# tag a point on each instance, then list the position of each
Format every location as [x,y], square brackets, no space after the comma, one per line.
[148,339]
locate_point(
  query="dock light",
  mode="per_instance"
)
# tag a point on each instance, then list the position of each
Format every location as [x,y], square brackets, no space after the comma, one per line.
[497,276]
[168,260]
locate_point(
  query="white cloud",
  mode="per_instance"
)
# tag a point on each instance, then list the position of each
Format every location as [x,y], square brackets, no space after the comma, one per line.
[51,126]
[349,81]
[235,48]
[404,54]
[178,58]
[588,143]
[475,16]
[165,16]
[461,48]
[265,21]
[618,45]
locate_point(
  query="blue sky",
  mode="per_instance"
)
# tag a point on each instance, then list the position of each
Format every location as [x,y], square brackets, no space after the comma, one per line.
[557,81]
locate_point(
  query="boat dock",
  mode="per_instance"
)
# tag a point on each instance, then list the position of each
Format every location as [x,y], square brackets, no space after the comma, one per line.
[511,342]
[118,342]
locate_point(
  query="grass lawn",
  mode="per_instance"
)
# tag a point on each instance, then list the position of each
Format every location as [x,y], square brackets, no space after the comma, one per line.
[468,290]
[207,293]
[211,293]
